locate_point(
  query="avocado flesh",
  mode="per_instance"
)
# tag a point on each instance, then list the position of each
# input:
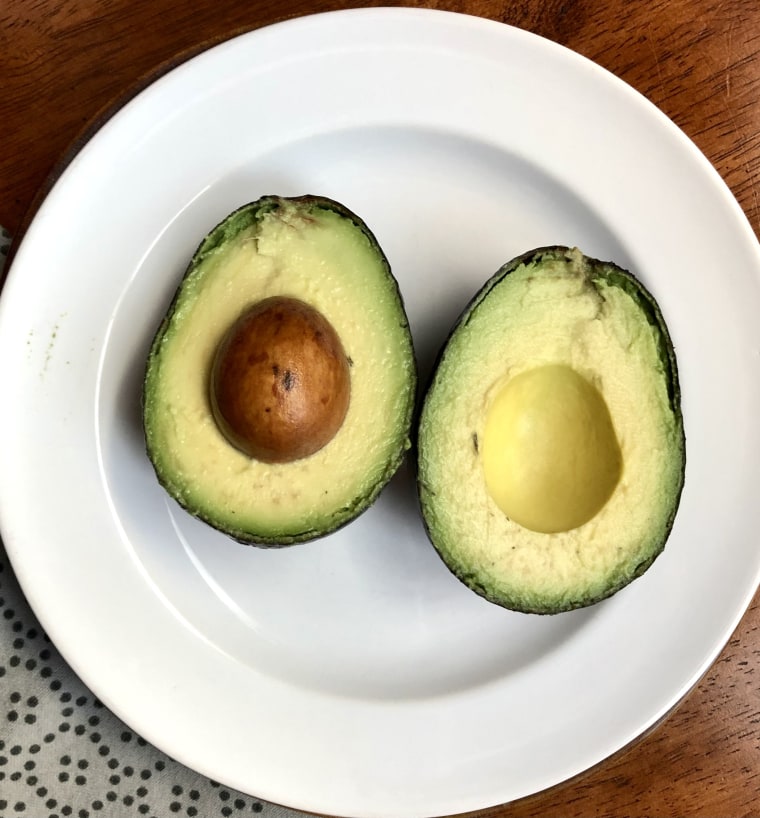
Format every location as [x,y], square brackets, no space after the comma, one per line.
[315,250]
[554,307]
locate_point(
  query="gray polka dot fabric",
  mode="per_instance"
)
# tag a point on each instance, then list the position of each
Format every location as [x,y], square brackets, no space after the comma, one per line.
[63,754]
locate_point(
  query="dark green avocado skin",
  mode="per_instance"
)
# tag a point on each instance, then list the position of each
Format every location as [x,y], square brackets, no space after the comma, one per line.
[248,215]
[615,275]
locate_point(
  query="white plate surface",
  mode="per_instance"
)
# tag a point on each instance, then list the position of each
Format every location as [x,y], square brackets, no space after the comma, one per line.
[355,675]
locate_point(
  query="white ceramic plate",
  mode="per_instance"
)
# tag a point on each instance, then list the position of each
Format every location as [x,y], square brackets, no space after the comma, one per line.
[354,675]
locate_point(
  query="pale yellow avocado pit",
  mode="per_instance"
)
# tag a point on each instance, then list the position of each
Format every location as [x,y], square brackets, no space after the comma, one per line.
[551,459]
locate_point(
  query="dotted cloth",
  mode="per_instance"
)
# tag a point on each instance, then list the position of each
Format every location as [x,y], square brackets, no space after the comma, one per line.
[63,753]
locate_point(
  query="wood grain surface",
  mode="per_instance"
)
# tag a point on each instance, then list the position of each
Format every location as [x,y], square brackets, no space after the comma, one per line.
[65,63]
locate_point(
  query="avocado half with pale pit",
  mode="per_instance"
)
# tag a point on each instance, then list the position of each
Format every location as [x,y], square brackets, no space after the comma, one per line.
[551,448]
[280,386]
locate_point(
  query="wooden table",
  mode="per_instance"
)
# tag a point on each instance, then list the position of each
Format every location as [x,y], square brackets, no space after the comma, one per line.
[63,63]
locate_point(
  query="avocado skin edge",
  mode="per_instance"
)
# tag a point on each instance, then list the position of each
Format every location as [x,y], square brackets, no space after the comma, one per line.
[235,222]
[616,276]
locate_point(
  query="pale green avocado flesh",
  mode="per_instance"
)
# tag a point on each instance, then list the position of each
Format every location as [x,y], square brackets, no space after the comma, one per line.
[315,250]
[551,447]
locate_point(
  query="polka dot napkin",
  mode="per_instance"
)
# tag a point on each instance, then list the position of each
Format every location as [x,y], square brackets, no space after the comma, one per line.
[62,753]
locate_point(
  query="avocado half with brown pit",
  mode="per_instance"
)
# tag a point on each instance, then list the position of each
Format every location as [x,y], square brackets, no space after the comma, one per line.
[280,386]
[551,447]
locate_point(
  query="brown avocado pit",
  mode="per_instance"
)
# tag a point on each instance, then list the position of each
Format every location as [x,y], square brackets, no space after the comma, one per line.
[280,382]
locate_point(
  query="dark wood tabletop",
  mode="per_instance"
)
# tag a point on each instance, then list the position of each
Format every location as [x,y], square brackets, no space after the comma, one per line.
[64,64]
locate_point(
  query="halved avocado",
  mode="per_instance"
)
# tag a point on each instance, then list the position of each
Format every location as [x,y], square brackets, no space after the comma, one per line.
[551,447]
[289,320]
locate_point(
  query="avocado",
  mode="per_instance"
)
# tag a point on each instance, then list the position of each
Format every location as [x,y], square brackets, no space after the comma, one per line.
[279,388]
[551,447]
